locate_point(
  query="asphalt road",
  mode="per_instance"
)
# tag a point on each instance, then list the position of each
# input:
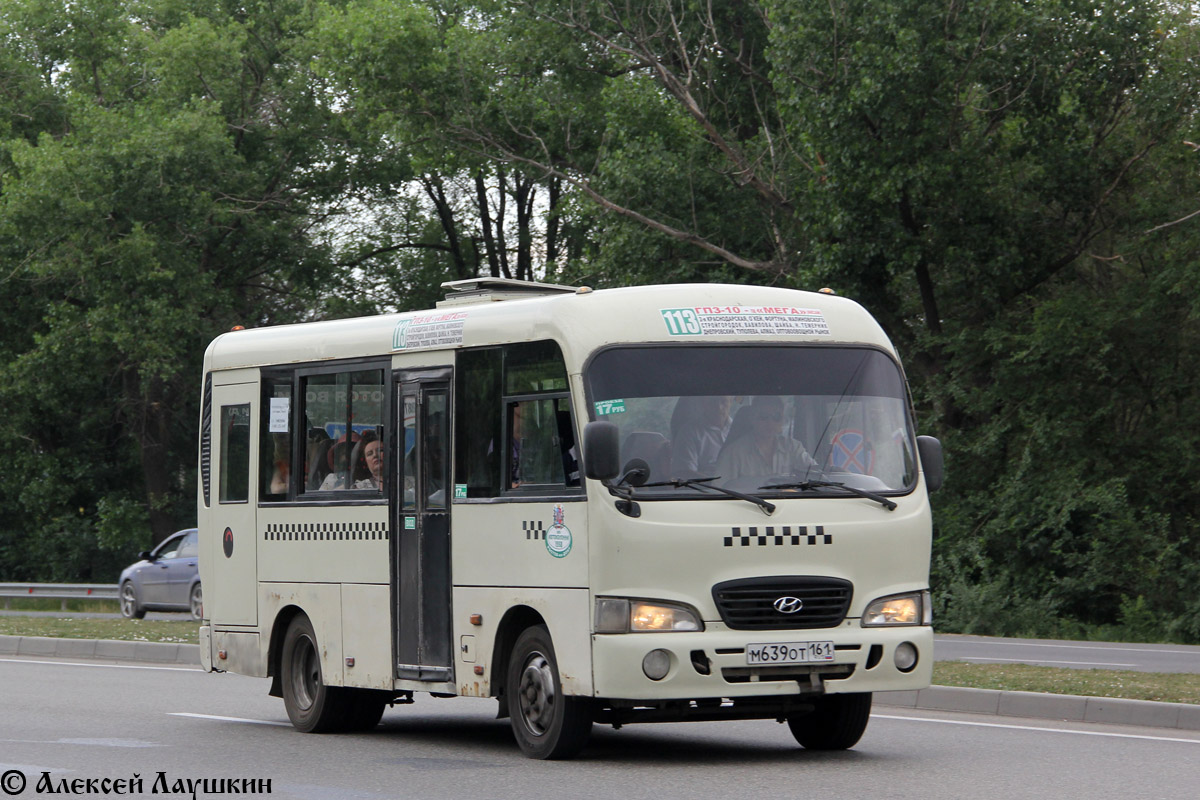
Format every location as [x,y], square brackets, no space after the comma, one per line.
[1075,655]
[89,720]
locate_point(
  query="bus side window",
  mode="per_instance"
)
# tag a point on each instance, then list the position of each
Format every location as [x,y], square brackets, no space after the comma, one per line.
[234,471]
[515,430]
[275,438]
[540,454]
[344,413]
[477,408]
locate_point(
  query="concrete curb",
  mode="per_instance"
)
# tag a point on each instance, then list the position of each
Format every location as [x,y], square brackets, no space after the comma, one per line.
[1065,707]
[101,649]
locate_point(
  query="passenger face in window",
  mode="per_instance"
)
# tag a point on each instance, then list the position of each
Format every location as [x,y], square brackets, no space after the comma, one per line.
[373,455]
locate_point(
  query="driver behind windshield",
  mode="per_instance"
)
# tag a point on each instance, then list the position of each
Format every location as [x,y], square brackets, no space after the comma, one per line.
[764,450]
[695,447]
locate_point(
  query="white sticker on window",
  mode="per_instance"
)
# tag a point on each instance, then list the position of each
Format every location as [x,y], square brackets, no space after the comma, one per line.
[280,413]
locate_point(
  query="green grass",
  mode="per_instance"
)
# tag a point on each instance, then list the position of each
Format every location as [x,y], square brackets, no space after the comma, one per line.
[1160,686]
[134,630]
[46,604]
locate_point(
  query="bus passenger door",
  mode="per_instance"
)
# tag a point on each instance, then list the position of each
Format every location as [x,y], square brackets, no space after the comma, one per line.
[421,520]
[231,548]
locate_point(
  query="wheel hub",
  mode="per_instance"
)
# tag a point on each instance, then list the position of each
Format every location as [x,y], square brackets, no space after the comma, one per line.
[306,673]
[535,694]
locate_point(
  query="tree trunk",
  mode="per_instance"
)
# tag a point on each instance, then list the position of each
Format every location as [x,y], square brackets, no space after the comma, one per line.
[485,222]
[151,425]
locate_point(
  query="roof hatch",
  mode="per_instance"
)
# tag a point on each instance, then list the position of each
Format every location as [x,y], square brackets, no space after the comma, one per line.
[486,290]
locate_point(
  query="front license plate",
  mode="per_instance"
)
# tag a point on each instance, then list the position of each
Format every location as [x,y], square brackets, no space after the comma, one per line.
[788,653]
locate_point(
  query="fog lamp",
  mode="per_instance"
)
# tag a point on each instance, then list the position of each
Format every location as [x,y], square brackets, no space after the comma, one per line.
[656,664]
[906,656]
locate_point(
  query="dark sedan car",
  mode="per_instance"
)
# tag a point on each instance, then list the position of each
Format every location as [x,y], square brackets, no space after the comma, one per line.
[166,579]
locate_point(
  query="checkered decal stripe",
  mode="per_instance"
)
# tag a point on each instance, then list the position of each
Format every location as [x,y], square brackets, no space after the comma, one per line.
[326,532]
[534,529]
[785,535]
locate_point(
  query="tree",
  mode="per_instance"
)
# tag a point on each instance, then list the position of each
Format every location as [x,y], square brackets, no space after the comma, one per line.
[167,192]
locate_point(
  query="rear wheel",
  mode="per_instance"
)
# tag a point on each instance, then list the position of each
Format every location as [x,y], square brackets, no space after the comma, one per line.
[836,723]
[312,706]
[130,609]
[196,602]
[546,723]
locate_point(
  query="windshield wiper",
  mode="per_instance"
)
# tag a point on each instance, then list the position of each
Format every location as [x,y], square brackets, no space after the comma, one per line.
[878,498]
[705,483]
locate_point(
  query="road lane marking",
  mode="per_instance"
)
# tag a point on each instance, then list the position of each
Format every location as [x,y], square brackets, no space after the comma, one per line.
[86,742]
[34,769]
[1036,728]
[218,718]
[99,666]
[1046,661]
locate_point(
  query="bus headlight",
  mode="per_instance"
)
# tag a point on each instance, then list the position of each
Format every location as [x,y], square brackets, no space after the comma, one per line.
[623,615]
[898,609]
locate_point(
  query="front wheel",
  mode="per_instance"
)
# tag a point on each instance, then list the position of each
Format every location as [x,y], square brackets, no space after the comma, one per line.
[196,602]
[312,706]
[836,723]
[130,609]
[546,723]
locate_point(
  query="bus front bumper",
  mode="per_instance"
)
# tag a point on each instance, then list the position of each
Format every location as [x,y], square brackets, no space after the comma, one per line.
[714,663]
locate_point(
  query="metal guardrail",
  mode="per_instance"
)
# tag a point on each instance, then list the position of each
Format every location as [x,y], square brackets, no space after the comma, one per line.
[58,591]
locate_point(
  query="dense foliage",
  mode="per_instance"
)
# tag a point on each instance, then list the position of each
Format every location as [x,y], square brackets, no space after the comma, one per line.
[1008,186]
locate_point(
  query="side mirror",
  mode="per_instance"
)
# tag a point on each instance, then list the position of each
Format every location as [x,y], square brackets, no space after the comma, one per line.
[146,555]
[601,450]
[930,450]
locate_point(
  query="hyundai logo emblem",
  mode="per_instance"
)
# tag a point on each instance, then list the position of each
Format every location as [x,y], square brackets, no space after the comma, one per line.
[788,605]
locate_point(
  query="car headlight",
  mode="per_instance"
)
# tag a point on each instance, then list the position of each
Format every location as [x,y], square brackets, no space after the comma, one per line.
[899,609]
[623,615]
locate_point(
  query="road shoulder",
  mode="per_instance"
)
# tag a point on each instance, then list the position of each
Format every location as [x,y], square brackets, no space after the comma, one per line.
[101,649]
[1065,707]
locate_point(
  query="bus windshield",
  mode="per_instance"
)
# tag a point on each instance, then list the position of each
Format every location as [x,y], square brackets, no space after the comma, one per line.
[773,420]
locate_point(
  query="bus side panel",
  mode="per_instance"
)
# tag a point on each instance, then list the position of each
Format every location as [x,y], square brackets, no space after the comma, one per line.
[322,603]
[330,544]
[366,635]
[520,544]
[244,653]
[567,613]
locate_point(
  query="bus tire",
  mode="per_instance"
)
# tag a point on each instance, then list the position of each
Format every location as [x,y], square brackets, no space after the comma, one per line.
[312,706]
[836,723]
[546,723]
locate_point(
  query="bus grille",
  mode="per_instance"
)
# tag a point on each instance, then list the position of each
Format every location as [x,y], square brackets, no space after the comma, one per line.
[750,604]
